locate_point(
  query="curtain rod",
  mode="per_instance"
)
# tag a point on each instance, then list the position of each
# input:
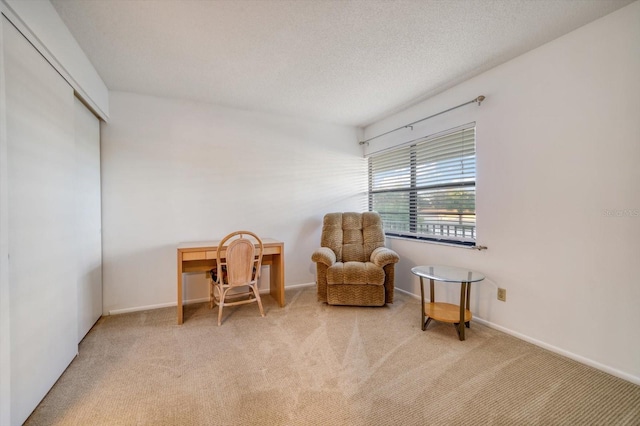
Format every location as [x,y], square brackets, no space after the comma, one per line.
[479,100]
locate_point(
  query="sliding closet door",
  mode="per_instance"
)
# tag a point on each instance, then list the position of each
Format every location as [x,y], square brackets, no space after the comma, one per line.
[88,223]
[41,207]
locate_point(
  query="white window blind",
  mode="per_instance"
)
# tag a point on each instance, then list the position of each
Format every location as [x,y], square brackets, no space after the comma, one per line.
[427,189]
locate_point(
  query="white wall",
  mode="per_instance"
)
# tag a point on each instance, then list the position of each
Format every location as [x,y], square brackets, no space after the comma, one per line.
[175,171]
[558,144]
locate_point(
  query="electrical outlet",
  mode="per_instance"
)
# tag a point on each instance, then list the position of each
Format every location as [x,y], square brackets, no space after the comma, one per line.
[502,294]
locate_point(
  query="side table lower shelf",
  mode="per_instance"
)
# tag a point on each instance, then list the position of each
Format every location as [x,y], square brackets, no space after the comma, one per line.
[459,315]
[446,312]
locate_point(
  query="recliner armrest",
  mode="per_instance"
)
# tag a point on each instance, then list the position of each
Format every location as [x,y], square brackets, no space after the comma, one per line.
[324,255]
[383,256]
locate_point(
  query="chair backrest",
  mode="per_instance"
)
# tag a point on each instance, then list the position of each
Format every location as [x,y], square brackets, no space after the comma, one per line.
[242,258]
[352,236]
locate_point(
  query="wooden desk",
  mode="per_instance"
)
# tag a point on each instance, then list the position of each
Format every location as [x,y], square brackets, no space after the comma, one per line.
[201,257]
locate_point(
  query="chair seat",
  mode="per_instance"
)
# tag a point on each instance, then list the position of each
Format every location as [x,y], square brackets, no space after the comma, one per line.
[358,273]
[214,273]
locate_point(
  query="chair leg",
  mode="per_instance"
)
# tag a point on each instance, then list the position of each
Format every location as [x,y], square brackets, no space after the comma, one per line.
[257,294]
[211,284]
[223,293]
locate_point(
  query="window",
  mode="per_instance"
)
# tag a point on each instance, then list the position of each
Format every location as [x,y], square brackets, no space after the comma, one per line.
[426,189]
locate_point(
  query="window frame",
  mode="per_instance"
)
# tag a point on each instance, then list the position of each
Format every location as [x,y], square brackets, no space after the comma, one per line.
[469,183]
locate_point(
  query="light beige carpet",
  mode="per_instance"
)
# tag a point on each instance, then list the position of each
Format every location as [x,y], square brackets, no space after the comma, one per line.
[313,364]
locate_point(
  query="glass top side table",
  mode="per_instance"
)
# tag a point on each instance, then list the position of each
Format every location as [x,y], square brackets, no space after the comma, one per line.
[459,315]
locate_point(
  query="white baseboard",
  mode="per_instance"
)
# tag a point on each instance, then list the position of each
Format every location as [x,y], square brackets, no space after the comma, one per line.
[415,296]
[190,301]
[289,287]
[554,349]
[563,352]
[158,306]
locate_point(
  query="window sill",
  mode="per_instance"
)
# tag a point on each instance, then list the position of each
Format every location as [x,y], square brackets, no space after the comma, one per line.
[450,243]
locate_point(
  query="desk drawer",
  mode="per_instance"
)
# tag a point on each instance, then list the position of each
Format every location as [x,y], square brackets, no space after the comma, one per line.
[198,255]
[211,254]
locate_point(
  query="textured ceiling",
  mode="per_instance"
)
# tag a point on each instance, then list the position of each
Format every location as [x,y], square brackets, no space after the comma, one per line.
[342,61]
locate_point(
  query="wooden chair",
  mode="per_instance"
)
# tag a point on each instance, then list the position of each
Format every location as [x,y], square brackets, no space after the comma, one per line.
[238,269]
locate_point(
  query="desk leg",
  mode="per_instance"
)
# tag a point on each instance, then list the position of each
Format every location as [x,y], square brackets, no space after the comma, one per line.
[276,278]
[179,307]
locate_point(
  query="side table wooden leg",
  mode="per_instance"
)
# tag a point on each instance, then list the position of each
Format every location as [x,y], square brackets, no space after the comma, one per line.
[461,325]
[468,323]
[426,323]
[422,323]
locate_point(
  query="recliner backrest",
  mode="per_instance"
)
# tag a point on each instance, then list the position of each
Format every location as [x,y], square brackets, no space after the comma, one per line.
[352,236]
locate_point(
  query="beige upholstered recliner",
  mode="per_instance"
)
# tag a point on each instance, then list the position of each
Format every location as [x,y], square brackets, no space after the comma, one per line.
[353,266]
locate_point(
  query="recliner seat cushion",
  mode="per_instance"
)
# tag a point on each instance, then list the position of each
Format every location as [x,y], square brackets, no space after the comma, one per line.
[355,273]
